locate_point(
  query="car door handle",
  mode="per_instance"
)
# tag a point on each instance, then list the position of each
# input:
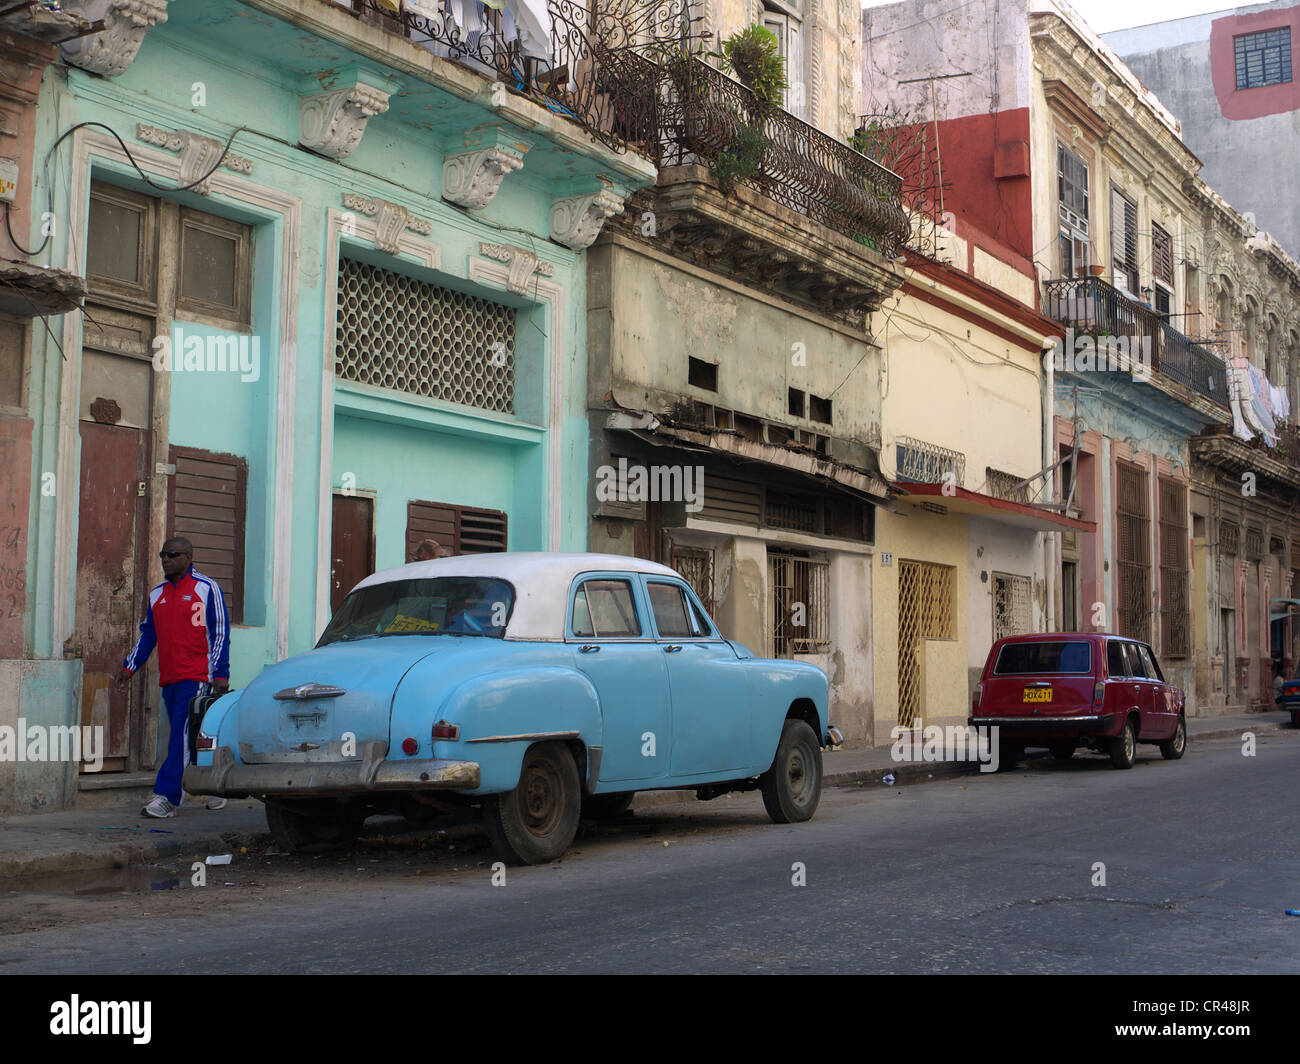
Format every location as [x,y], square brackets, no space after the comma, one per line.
[589,648]
[672,649]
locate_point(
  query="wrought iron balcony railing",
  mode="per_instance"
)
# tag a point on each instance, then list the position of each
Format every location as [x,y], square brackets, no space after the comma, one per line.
[1093,308]
[702,116]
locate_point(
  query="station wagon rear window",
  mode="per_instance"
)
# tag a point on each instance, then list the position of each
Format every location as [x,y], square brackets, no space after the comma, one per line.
[1053,657]
[443,605]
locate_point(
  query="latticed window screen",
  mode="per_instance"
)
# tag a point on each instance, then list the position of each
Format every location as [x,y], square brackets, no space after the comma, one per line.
[790,510]
[1134,553]
[396,332]
[1174,607]
[800,604]
[1254,544]
[696,566]
[925,611]
[1012,614]
[1228,538]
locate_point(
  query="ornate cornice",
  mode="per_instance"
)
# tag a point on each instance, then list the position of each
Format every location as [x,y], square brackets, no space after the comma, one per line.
[110,51]
[199,154]
[391,219]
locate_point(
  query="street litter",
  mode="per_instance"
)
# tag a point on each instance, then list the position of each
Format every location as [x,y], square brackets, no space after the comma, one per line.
[160,831]
[1293,912]
[106,827]
[224,858]
[888,780]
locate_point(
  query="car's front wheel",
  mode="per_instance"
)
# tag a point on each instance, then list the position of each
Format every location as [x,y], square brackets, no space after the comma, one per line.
[1123,748]
[295,829]
[792,787]
[1173,749]
[536,822]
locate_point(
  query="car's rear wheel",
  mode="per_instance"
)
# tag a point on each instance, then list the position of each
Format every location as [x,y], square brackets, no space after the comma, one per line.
[536,822]
[1123,748]
[1173,749]
[297,829]
[607,806]
[1062,751]
[792,787]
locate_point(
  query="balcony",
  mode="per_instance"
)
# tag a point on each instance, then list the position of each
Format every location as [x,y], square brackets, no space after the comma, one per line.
[1093,308]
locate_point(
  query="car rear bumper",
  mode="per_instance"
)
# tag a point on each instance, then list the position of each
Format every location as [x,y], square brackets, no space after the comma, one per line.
[1048,727]
[227,779]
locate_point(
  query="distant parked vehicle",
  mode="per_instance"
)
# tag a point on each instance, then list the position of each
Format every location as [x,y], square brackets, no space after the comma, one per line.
[1067,690]
[1289,699]
[538,687]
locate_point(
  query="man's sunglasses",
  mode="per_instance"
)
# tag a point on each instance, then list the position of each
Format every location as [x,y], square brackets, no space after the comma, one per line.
[171,554]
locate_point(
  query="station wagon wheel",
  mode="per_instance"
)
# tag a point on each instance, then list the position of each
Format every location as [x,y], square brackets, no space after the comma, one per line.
[1123,748]
[536,822]
[1174,748]
[792,787]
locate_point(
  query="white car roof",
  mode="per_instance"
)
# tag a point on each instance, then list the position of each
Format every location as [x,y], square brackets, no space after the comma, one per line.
[541,581]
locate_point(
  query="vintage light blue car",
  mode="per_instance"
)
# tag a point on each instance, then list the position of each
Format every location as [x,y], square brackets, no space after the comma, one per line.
[539,687]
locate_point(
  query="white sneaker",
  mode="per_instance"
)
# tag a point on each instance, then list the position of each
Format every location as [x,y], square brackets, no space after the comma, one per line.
[216,803]
[159,807]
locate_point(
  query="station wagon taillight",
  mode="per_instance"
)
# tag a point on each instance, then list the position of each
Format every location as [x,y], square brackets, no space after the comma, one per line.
[410,746]
[444,730]
[1098,694]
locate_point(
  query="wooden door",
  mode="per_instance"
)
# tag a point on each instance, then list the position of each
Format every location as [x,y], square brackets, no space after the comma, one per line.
[352,545]
[111,579]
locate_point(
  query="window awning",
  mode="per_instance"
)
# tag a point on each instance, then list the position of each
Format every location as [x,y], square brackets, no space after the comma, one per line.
[972,503]
[1289,606]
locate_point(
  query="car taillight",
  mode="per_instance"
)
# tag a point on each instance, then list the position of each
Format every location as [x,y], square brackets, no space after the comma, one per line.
[1291,689]
[1098,694]
[410,746]
[444,730]
[975,697]
[205,742]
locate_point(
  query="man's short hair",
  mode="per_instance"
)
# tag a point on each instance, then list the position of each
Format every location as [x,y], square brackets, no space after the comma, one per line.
[181,542]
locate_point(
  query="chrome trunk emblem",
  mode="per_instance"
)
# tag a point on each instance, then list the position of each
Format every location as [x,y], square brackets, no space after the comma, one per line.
[305,691]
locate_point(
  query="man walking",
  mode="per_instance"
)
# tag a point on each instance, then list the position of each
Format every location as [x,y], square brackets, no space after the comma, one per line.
[186,618]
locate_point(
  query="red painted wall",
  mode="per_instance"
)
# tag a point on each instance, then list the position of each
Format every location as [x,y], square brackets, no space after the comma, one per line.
[1253,103]
[975,150]
[16,459]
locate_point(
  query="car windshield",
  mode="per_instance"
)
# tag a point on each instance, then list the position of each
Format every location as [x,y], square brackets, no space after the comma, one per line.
[444,605]
[1065,657]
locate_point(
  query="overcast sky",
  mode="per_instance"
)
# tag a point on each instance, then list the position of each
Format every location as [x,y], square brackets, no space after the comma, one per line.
[1106,15]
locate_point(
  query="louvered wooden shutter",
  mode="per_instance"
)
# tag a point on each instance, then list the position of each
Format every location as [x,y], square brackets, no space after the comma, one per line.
[207,504]
[1123,235]
[461,529]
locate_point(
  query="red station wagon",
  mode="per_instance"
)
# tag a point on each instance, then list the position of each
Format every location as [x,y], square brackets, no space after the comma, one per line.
[1072,689]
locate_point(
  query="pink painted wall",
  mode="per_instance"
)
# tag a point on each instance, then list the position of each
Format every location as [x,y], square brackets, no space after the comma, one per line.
[1239,105]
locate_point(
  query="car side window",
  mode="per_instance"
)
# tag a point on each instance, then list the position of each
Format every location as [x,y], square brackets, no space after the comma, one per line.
[605,609]
[1116,662]
[673,618]
[1135,667]
[1149,661]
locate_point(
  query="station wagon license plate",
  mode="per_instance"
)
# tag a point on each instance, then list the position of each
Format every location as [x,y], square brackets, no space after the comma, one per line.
[1038,694]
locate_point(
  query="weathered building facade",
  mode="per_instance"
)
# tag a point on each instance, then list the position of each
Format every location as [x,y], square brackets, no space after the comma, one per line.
[336,299]
[1081,169]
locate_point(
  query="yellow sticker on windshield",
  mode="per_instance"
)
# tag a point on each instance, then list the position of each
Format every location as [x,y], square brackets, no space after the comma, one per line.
[405,623]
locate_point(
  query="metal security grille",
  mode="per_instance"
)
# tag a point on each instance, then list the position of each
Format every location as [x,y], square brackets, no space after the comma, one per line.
[1174,608]
[925,611]
[926,463]
[696,566]
[1134,553]
[396,332]
[1254,544]
[1228,538]
[1011,605]
[800,604]
[1263,58]
[1006,486]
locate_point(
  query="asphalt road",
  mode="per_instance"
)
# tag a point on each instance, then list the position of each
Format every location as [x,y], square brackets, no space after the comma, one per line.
[983,873]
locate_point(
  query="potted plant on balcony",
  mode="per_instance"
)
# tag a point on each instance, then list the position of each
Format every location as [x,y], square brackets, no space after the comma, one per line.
[752,56]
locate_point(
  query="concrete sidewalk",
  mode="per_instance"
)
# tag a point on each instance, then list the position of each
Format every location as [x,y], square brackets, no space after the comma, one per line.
[50,843]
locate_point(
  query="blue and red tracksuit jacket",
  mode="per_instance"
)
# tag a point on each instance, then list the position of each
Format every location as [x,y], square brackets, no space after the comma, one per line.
[188,622]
